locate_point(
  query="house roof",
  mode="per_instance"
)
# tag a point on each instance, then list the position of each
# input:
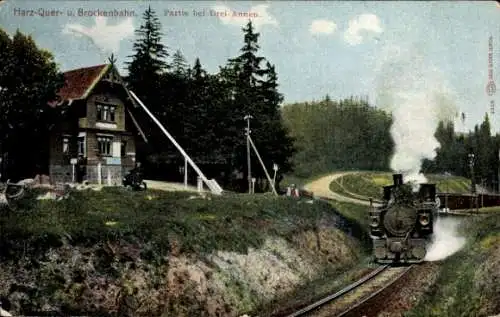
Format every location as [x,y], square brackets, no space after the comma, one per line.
[78,83]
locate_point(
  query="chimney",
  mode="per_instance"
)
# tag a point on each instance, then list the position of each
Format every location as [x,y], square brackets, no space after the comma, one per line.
[398,179]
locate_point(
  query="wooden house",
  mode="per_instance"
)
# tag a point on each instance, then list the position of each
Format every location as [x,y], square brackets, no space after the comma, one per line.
[98,130]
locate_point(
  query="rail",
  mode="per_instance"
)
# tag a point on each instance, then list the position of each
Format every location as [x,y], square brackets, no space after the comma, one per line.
[365,300]
[340,293]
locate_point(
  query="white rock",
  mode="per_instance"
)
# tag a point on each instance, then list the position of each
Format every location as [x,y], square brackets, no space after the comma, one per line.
[4,313]
[48,195]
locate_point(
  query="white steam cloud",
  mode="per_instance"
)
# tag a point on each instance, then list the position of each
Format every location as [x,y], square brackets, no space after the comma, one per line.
[446,240]
[418,97]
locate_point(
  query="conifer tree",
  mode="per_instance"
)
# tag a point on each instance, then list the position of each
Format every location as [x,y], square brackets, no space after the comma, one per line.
[179,65]
[274,140]
[271,98]
[248,61]
[196,127]
[146,72]
[248,69]
[198,72]
[255,92]
[148,61]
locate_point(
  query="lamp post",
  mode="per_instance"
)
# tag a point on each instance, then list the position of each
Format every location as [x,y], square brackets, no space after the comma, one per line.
[275,169]
[472,180]
[247,133]
[447,176]
[483,182]
[183,170]
[471,166]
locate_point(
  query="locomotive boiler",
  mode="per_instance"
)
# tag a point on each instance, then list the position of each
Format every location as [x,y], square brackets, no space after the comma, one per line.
[401,227]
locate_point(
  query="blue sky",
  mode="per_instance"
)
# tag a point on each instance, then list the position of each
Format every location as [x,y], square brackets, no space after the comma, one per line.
[319,48]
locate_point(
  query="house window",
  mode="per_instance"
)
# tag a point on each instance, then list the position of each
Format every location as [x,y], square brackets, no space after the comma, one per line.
[65,145]
[104,145]
[81,146]
[106,112]
[124,148]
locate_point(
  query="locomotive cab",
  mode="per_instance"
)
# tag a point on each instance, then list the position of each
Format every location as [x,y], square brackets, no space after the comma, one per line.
[402,226]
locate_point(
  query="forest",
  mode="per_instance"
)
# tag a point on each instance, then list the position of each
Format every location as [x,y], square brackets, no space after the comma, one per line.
[351,134]
[205,113]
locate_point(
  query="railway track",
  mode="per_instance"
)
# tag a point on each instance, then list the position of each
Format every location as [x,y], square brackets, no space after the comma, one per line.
[354,297]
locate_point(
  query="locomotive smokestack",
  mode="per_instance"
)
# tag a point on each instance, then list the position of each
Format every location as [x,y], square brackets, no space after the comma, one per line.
[398,179]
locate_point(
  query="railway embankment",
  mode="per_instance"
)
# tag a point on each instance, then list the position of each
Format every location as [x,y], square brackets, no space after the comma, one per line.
[468,282]
[114,252]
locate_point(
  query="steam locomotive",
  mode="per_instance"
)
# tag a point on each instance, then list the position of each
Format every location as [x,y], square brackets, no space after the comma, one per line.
[402,226]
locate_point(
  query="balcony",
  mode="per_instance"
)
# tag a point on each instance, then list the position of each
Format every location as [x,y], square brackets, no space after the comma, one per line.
[106,125]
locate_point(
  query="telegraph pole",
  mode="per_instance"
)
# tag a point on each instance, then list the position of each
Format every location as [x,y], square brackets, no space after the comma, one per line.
[247,133]
[498,180]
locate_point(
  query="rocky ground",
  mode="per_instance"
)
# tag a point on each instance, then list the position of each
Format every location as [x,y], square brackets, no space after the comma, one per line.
[224,258]
[116,253]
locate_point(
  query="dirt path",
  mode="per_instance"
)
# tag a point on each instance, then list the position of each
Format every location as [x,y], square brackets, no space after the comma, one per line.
[321,188]
[167,186]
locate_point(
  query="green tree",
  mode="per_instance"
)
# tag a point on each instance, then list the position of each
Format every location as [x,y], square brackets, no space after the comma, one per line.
[274,140]
[179,65]
[148,61]
[146,79]
[341,134]
[445,135]
[29,79]
[328,99]
[254,91]
[243,76]
[485,152]
[248,62]
[230,126]
[197,128]
[452,156]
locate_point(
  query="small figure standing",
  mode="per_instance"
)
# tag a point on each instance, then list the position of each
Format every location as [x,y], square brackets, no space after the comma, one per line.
[296,192]
[81,169]
[137,172]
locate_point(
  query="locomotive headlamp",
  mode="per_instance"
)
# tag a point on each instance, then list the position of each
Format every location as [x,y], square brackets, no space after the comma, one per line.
[375,222]
[424,219]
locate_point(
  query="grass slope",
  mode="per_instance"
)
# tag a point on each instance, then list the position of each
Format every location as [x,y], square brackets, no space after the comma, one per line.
[97,252]
[369,184]
[469,281]
[230,223]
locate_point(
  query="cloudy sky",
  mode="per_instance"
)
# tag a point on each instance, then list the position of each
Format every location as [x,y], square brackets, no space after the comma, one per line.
[332,47]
